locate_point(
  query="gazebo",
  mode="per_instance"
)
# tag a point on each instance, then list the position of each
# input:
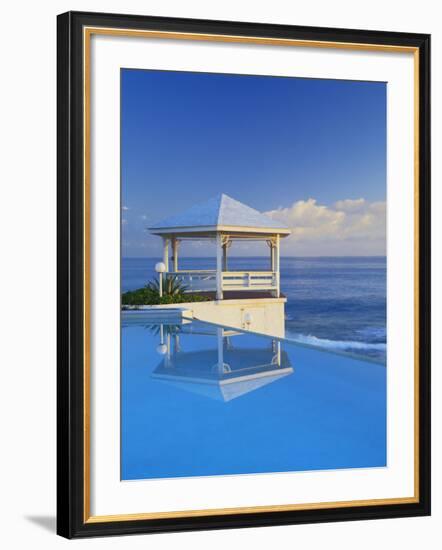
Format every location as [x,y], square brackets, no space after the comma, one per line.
[222,220]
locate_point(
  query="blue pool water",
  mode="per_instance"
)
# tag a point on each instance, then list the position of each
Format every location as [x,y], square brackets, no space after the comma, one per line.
[200,401]
[335,303]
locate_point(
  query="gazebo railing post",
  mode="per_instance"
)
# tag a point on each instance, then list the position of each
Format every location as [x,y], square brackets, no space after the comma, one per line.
[219,267]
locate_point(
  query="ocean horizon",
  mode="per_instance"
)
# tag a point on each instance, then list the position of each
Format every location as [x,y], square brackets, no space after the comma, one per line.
[337,303]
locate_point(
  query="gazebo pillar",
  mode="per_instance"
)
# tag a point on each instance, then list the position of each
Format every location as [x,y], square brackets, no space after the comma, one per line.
[220,338]
[219,267]
[276,252]
[272,255]
[166,253]
[175,254]
[225,257]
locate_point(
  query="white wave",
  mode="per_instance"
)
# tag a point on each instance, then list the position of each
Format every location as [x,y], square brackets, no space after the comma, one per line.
[336,344]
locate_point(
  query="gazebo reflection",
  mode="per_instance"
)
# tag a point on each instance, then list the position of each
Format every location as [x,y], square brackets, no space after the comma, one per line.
[224,371]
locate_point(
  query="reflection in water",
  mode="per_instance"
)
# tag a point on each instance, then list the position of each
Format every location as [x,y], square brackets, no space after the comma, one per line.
[222,372]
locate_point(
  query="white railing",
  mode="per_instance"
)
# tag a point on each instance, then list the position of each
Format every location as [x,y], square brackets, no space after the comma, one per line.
[249,280]
[196,281]
[205,280]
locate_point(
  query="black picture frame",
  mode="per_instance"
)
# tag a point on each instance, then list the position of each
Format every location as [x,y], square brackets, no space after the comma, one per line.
[71,520]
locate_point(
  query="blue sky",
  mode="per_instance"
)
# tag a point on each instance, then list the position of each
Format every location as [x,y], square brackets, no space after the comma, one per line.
[309,152]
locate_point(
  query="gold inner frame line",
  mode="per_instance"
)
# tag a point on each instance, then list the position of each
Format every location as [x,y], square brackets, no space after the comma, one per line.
[87,34]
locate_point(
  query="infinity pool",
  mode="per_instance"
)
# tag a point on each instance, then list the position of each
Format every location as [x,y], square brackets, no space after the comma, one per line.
[203,400]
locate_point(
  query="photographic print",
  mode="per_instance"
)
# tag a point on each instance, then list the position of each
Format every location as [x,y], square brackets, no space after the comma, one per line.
[253,273]
[243,274]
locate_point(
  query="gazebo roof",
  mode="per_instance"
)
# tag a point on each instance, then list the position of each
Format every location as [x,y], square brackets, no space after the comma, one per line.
[220,213]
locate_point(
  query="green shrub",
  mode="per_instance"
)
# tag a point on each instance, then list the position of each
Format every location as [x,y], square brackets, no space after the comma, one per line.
[173,293]
[172,286]
[139,297]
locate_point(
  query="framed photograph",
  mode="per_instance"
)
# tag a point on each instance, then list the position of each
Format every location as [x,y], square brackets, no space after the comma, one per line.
[243,274]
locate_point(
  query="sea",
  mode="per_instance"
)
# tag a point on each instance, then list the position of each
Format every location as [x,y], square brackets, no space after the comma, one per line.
[333,303]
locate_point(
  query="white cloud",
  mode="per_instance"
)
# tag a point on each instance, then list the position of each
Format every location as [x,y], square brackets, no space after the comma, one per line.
[350,205]
[125,208]
[348,227]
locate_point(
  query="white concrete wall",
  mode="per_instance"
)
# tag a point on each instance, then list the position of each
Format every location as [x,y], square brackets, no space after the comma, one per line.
[267,314]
